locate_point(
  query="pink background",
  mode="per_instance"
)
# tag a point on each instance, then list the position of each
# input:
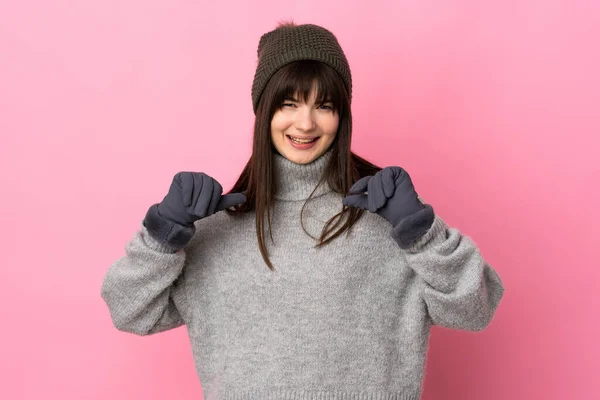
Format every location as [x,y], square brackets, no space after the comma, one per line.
[493,108]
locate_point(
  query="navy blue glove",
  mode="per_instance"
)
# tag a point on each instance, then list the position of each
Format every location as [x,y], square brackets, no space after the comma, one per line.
[192,196]
[391,194]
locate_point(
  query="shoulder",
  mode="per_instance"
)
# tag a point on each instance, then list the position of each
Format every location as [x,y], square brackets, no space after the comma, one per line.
[372,225]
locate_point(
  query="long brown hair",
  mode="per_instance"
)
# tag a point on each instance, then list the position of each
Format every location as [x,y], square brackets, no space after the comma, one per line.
[297,80]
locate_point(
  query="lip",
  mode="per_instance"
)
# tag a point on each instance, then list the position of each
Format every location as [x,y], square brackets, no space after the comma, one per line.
[303,146]
[303,138]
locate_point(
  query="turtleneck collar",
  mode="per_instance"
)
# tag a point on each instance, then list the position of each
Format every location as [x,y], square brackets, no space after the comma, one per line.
[295,182]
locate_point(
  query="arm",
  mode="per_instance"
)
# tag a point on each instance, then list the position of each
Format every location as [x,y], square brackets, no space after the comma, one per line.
[143,289]
[461,290]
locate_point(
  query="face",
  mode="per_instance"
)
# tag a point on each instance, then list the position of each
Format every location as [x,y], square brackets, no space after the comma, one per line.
[303,131]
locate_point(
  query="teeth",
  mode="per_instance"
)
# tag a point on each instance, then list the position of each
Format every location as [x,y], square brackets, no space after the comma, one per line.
[302,140]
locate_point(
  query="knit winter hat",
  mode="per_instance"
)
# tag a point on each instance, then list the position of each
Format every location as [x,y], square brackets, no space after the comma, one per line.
[290,43]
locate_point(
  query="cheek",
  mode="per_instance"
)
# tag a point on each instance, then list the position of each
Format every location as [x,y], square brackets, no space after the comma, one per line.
[332,125]
[279,124]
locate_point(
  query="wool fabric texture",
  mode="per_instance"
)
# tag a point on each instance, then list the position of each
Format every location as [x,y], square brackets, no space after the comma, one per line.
[287,44]
[350,320]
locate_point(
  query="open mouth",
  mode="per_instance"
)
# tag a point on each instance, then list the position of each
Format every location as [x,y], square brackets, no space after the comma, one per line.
[302,141]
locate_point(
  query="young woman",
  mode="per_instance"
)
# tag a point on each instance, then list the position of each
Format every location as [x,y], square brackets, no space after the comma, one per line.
[319,275]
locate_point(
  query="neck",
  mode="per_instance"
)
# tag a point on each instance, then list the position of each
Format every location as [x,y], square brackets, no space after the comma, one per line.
[295,182]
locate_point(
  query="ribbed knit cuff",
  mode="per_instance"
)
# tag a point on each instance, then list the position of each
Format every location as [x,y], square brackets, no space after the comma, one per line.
[167,233]
[413,227]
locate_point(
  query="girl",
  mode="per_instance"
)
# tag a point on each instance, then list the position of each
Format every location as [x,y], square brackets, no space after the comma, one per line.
[288,287]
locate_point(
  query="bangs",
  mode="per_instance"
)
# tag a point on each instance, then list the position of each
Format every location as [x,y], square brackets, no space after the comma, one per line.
[297,79]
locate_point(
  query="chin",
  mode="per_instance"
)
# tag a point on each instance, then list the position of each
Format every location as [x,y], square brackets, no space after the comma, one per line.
[303,158]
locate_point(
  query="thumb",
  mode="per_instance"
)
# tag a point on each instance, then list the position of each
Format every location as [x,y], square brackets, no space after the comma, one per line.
[230,200]
[360,185]
[357,200]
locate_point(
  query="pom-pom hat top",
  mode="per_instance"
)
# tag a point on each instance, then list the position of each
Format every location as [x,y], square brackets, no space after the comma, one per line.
[289,43]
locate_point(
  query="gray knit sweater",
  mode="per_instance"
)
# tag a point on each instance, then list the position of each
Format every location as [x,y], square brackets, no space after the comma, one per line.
[347,321]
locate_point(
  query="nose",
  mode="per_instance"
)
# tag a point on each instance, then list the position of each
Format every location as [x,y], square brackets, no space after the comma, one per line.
[305,120]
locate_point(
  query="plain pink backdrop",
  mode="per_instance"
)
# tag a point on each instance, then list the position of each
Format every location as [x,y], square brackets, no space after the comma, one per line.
[492,107]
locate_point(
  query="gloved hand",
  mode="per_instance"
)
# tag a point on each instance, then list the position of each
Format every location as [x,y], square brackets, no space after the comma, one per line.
[391,194]
[192,196]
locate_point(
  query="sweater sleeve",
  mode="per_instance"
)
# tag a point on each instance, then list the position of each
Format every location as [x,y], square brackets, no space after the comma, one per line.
[461,290]
[144,290]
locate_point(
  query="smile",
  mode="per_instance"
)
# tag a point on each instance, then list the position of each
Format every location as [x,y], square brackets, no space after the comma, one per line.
[302,141]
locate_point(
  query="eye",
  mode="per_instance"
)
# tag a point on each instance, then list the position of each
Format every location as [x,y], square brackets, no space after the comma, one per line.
[288,105]
[326,107]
